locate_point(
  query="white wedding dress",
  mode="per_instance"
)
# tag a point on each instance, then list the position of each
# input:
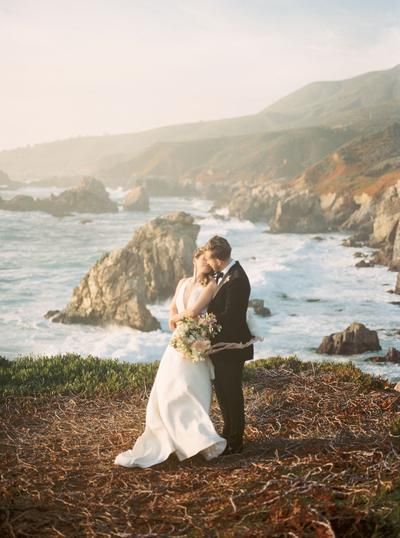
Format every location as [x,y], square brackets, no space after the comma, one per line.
[177,413]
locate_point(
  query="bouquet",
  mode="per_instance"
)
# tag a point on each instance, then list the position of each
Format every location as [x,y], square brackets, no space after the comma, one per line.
[192,337]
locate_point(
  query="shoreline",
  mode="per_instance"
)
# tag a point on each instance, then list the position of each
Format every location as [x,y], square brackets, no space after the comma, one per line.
[277,275]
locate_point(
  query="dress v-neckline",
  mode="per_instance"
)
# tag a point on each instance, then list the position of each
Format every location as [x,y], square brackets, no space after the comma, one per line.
[183,293]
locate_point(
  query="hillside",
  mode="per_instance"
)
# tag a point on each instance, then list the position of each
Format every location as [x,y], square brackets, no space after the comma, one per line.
[367,164]
[281,154]
[87,155]
[366,102]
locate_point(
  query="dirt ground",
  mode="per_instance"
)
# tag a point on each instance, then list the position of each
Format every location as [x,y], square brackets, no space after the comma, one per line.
[320,459]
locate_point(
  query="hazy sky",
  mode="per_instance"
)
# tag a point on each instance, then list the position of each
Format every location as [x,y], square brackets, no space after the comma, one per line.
[81,67]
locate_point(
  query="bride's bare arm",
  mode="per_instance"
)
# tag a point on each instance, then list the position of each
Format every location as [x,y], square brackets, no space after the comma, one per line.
[173,311]
[203,300]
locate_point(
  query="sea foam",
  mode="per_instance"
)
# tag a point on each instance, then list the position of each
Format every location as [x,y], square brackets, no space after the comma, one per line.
[311,286]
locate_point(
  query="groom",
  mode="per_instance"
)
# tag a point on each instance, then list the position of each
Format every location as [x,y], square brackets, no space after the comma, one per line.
[229,305]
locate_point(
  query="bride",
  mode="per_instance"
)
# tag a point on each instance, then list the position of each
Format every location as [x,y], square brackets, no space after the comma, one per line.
[177,413]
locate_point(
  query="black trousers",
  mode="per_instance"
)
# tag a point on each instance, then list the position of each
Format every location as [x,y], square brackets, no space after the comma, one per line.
[228,389]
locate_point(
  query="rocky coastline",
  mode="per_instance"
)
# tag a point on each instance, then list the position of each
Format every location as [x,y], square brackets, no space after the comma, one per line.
[355,189]
[89,196]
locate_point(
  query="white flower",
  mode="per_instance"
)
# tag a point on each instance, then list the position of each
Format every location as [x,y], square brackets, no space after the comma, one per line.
[193,337]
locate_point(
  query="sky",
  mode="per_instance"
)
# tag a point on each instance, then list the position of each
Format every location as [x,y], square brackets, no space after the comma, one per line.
[92,67]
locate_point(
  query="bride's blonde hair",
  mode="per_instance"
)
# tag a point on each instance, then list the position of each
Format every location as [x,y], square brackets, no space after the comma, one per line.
[202,278]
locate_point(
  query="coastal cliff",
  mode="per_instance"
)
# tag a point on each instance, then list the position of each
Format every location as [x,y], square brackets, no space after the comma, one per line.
[321,454]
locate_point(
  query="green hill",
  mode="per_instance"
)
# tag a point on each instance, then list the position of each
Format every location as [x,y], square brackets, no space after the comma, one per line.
[366,102]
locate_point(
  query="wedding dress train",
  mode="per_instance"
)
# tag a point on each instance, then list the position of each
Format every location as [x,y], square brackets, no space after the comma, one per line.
[177,413]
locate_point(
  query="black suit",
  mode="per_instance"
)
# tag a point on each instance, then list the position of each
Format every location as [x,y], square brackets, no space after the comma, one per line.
[230,308]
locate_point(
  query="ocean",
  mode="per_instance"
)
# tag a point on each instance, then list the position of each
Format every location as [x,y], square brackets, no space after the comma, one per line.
[311,286]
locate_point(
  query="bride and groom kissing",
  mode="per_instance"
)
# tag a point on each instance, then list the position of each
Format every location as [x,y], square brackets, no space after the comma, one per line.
[178,410]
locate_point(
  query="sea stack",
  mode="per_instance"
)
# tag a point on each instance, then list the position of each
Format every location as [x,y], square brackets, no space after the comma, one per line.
[120,284]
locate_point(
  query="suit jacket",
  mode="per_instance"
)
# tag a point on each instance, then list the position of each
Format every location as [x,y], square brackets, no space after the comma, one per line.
[230,308]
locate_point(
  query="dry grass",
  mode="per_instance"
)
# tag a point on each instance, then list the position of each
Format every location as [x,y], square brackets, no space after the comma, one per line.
[320,460]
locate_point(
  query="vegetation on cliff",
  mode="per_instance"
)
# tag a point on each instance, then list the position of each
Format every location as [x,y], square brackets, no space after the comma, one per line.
[321,455]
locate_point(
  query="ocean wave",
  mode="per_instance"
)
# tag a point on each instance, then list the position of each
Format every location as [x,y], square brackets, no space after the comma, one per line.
[312,287]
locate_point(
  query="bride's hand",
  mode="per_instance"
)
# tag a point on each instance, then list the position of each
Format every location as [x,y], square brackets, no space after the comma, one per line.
[173,320]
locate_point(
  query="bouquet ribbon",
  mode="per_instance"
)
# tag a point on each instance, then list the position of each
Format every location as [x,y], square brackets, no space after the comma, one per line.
[222,346]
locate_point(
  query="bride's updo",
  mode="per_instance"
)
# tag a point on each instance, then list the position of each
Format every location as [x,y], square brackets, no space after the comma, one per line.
[202,278]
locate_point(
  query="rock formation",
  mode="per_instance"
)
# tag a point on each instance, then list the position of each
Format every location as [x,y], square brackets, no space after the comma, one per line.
[90,196]
[397,287]
[386,229]
[361,220]
[337,208]
[259,308]
[356,240]
[387,214]
[24,202]
[21,202]
[137,199]
[395,261]
[257,203]
[118,287]
[364,263]
[355,339]
[299,213]
[392,355]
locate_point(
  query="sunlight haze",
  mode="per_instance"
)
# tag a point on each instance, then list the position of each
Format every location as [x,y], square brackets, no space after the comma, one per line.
[92,67]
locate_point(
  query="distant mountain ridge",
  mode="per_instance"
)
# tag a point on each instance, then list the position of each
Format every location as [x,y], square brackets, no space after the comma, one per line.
[251,158]
[351,100]
[365,103]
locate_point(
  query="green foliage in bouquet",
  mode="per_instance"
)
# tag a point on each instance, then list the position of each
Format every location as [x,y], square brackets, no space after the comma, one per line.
[193,336]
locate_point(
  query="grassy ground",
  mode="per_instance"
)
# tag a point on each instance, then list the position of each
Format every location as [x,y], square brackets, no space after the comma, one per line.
[321,456]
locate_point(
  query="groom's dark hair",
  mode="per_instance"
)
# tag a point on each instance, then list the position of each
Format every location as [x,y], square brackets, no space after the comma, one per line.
[219,247]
